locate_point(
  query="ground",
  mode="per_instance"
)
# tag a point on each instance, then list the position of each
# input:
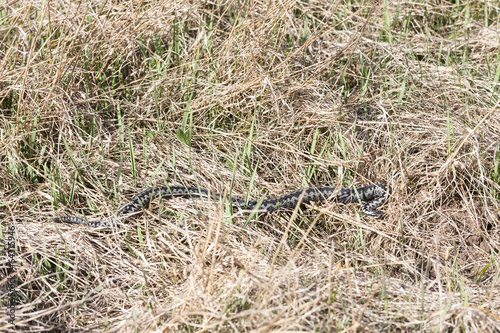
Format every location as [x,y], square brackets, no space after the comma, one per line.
[253,99]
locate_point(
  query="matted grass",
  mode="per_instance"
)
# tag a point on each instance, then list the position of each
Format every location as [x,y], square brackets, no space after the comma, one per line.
[100,100]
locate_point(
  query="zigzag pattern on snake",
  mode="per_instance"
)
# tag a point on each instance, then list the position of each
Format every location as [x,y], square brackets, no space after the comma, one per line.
[374,196]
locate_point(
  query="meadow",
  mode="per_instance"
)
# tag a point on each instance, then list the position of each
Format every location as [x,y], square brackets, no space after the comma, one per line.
[253,99]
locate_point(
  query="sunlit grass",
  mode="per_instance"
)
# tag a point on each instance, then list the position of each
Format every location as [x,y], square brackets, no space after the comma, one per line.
[100,100]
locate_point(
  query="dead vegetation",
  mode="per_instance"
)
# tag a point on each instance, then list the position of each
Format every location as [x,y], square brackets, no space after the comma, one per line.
[99,100]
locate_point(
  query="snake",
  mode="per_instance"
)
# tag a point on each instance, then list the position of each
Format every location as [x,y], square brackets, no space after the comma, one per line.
[374,196]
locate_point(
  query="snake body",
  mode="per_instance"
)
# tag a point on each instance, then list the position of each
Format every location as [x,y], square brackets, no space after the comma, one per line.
[374,196]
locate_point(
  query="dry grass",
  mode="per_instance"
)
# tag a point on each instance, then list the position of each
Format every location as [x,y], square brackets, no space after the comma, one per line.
[99,100]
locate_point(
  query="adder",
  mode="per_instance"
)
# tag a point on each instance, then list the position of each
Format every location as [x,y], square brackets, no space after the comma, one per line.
[374,196]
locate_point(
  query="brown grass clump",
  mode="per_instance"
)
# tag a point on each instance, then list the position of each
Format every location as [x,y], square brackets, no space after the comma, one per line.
[99,100]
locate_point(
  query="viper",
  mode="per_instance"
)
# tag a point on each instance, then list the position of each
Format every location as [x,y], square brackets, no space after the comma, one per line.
[374,196]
